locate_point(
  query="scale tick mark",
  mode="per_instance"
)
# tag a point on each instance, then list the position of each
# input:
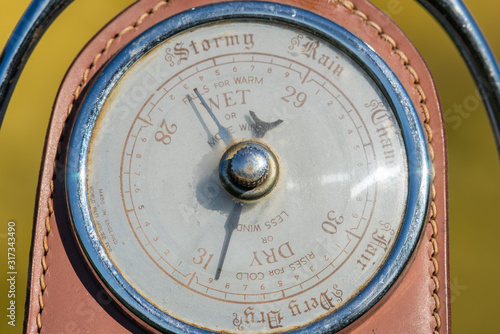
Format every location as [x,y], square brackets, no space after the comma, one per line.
[192,277]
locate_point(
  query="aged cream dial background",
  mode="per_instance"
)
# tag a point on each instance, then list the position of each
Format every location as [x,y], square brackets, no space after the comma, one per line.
[297,254]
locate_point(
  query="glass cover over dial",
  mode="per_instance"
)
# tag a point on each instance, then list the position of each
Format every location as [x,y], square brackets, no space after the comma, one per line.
[242,176]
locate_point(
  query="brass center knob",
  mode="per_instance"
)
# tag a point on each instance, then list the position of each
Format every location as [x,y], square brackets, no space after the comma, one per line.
[249,167]
[249,170]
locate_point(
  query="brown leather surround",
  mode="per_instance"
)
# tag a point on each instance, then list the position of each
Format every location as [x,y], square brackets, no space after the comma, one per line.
[65,297]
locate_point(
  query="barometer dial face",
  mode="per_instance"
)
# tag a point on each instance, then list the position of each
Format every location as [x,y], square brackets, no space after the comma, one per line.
[233,170]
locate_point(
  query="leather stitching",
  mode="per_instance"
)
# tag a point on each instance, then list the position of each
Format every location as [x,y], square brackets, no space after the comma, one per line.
[76,94]
[423,104]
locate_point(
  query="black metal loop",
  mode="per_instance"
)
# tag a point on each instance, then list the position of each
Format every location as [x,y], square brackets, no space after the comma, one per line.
[456,19]
[33,24]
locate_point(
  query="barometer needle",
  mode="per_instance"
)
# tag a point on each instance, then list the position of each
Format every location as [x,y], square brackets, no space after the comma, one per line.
[230,226]
[223,132]
[207,130]
[262,127]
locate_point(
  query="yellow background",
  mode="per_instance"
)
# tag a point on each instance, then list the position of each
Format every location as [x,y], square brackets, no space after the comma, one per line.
[474,171]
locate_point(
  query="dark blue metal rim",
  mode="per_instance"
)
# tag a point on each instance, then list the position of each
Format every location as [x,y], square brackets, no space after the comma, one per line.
[418,161]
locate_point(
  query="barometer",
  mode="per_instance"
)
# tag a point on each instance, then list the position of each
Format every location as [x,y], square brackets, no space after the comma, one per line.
[244,167]
[247,167]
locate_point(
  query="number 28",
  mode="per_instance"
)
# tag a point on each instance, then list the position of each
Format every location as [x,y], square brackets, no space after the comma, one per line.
[161,136]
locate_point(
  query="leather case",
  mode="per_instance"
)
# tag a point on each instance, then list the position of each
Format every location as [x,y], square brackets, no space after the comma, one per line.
[66,297]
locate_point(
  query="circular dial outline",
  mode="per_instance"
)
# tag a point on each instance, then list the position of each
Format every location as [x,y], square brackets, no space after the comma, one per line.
[144,116]
[413,137]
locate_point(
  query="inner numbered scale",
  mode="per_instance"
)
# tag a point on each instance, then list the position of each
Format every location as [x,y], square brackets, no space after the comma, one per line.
[247,168]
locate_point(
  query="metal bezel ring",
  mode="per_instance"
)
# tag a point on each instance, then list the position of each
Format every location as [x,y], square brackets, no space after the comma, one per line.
[363,54]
